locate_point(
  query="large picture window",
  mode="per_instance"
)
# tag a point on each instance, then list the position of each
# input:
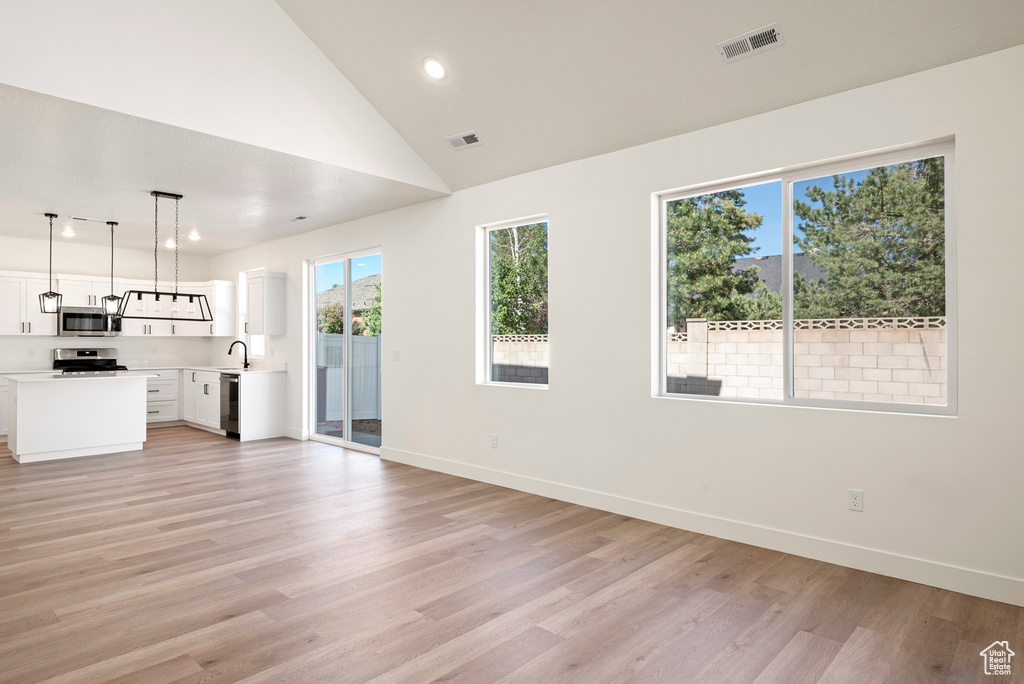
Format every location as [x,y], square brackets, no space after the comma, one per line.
[516,303]
[825,286]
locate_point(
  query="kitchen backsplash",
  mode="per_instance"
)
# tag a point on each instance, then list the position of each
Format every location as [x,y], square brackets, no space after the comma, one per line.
[36,353]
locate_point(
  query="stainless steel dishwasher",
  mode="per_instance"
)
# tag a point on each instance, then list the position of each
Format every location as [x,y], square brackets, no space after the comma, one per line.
[229,408]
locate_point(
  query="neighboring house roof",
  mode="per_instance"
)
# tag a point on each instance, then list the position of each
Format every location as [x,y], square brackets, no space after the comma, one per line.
[363,292]
[771,268]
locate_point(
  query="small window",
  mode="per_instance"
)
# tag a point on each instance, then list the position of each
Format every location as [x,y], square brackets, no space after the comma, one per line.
[825,286]
[516,303]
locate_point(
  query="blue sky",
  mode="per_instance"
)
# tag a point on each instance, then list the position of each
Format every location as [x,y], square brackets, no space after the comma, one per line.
[766,199]
[329,275]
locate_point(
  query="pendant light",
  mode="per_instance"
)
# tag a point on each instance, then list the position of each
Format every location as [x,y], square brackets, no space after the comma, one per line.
[111,303]
[200,313]
[49,302]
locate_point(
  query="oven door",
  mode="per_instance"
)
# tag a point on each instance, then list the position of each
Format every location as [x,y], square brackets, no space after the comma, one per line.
[88,322]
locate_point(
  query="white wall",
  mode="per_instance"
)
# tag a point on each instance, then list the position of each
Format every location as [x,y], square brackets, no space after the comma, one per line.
[238,69]
[942,495]
[75,258]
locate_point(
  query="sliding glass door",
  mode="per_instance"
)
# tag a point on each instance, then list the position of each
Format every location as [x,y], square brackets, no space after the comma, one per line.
[347,334]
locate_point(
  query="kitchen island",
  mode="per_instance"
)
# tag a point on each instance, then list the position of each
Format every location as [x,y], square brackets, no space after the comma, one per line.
[55,416]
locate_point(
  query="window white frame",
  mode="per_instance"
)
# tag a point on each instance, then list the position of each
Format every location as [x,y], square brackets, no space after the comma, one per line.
[309,325]
[787,177]
[483,299]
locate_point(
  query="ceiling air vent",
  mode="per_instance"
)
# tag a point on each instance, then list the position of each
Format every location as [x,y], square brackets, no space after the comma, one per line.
[751,43]
[464,140]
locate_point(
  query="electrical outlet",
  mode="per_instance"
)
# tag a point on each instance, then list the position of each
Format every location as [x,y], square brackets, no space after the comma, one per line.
[154,350]
[494,441]
[396,356]
[31,351]
[856,500]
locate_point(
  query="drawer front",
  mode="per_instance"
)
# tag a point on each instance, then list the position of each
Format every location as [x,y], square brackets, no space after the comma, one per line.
[161,390]
[161,411]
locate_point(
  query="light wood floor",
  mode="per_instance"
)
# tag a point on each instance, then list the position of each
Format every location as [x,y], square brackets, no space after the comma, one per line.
[202,560]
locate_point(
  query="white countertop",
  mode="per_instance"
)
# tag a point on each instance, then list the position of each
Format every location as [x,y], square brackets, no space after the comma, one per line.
[60,377]
[142,369]
[233,371]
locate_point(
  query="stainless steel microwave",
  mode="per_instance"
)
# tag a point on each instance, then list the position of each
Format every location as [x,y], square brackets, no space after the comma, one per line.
[83,321]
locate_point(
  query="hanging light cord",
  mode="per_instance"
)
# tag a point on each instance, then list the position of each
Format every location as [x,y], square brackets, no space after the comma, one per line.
[175,250]
[112,224]
[51,254]
[156,240]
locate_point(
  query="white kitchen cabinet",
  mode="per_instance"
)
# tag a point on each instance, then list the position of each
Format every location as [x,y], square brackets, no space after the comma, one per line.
[264,303]
[84,291]
[151,325]
[12,306]
[4,423]
[202,398]
[189,398]
[19,307]
[220,295]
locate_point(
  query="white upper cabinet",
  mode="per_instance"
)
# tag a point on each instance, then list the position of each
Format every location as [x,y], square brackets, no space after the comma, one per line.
[83,291]
[19,307]
[264,302]
[12,306]
[20,314]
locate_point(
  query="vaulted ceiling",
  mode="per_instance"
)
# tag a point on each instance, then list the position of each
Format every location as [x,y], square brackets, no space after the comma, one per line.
[259,112]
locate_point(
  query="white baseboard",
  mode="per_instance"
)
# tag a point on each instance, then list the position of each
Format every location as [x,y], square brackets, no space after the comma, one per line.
[297,433]
[965,580]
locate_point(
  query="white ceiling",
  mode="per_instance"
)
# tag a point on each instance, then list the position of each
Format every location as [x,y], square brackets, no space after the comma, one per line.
[545,82]
[542,83]
[73,159]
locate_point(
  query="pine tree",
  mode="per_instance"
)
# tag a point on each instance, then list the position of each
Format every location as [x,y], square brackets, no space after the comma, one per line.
[705,234]
[880,244]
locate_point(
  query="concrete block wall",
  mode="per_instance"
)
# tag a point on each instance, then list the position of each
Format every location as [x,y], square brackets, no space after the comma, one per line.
[885,365]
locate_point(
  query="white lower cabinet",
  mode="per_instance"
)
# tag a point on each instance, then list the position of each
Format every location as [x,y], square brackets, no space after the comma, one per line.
[162,404]
[202,398]
[4,422]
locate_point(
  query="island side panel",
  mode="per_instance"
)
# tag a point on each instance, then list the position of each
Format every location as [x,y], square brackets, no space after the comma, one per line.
[60,417]
[262,405]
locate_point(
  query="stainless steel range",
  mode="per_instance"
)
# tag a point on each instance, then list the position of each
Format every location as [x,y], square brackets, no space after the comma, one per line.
[87,362]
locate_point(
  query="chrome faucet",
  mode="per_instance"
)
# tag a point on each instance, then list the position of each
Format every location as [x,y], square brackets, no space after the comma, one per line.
[245,351]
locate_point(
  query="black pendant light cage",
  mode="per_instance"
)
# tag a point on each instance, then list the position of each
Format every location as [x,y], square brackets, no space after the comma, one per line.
[198,305]
[111,303]
[49,302]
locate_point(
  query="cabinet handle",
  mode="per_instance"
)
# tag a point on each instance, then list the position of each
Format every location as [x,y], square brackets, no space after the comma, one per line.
[172,329]
[151,391]
[206,389]
[246,328]
[152,412]
[193,377]
[30,328]
[211,328]
[23,327]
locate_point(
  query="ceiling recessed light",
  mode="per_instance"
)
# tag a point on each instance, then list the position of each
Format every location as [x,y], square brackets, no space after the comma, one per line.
[68,232]
[434,68]
[169,244]
[193,235]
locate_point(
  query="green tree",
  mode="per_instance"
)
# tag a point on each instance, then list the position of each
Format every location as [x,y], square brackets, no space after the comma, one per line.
[330,318]
[705,234]
[880,244]
[519,280]
[372,317]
